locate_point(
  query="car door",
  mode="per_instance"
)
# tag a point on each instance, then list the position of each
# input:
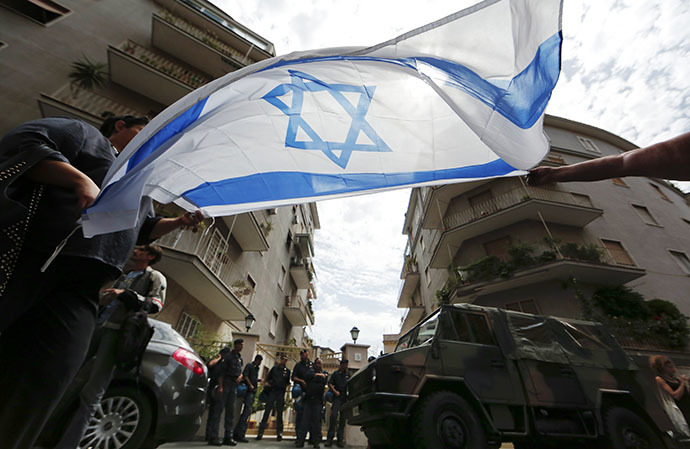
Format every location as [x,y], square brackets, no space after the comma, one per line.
[469,350]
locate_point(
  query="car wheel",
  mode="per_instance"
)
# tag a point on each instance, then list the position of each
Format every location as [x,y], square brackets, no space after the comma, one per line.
[444,419]
[626,430]
[122,420]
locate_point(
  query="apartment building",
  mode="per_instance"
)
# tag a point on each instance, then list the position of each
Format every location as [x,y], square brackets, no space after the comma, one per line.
[86,59]
[564,240]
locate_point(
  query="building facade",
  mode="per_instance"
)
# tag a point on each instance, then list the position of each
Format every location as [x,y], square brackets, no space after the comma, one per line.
[89,60]
[505,244]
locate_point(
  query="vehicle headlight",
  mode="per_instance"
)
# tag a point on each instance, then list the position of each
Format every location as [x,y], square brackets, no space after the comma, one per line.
[373,375]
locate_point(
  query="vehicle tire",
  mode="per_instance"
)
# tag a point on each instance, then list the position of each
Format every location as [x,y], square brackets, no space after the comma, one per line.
[626,430]
[444,419]
[123,420]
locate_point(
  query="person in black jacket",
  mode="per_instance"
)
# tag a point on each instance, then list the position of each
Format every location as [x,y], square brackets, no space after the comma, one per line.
[50,170]
[298,377]
[213,400]
[316,380]
[338,385]
[250,376]
[277,380]
[230,375]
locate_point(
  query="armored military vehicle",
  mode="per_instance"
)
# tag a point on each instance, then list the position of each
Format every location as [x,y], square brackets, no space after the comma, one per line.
[473,377]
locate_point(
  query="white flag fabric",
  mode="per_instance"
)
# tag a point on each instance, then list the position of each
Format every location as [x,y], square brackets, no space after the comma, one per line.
[460,99]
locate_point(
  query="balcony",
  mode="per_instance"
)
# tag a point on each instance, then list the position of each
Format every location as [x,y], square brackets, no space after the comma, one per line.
[302,273]
[198,261]
[588,264]
[298,312]
[250,229]
[195,46]
[82,104]
[151,74]
[439,197]
[410,275]
[524,203]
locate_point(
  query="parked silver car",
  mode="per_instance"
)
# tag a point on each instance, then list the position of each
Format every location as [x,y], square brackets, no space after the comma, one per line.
[163,403]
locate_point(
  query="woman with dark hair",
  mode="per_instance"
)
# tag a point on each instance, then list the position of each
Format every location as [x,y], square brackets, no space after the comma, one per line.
[668,381]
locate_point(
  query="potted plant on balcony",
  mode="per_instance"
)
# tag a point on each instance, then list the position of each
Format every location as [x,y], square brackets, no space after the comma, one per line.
[86,75]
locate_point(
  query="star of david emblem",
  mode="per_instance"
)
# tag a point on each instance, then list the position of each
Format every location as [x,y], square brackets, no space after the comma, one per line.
[303,82]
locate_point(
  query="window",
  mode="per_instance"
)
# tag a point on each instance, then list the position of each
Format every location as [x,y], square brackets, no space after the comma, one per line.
[554,159]
[588,145]
[274,324]
[421,243]
[660,192]
[480,329]
[682,260]
[645,215]
[526,306]
[618,254]
[426,275]
[619,182]
[283,275]
[581,199]
[187,325]
[41,11]
[498,248]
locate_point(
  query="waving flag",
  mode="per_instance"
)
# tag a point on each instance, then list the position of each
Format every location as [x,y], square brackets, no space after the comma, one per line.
[460,99]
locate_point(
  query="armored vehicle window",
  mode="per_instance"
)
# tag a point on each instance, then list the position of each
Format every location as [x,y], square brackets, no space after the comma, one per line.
[426,332]
[404,342]
[480,329]
[532,328]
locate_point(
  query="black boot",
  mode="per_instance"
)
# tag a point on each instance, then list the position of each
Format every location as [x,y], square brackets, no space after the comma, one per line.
[260,435]
[279,437]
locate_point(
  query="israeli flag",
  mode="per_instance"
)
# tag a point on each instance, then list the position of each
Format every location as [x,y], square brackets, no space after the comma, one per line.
[460,99]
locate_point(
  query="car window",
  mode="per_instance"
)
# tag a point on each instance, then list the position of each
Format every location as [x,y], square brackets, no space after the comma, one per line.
[460,329]
[480,329]
[426,332]
[168,334]
[404,341]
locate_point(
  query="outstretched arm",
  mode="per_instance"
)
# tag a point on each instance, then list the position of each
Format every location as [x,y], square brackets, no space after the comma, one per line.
[667,160]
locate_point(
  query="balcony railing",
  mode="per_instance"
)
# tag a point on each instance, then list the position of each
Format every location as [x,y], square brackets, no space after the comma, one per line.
[512,198]
[297,304]
[211,247]
[81,103]
[159,62]
[207,38]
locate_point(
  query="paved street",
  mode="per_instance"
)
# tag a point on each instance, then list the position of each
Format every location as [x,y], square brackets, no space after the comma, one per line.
[266,443]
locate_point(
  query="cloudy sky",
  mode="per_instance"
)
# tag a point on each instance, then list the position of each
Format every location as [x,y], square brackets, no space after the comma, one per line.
[625,68]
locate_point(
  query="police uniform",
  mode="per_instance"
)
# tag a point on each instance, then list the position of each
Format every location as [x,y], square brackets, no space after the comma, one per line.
[311,411]
[214,402]
[277,380]
[230,369]
[339,382]
[250,373]
[301,369]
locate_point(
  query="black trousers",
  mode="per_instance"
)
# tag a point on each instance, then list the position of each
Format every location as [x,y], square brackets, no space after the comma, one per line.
[247,404]
[44,345]
[276,400]
[311,420]
[227,403]
[337,419]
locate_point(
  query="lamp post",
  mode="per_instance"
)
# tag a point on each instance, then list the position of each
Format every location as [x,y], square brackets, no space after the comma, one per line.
[354,332]
[249,321]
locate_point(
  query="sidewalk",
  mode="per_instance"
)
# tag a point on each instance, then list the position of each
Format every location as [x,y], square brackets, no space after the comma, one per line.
[265,443]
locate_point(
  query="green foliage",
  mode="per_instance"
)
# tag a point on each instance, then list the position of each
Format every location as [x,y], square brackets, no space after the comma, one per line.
[487,268]
[656,321]
[87,74]
[521,255]
[589,252]
[621,302]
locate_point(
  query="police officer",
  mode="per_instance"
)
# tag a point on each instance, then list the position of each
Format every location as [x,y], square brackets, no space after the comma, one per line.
[212,398]
[277,380]
[250,377]
[230,375]
[301,369]
[338,385]
[316,380]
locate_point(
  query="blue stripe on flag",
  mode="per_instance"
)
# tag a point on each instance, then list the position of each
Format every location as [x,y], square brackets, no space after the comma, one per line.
[173,128]
[523,100]
[288,185]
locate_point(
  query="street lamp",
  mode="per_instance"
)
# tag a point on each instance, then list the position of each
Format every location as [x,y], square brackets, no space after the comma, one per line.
[249,321]
[354,332]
